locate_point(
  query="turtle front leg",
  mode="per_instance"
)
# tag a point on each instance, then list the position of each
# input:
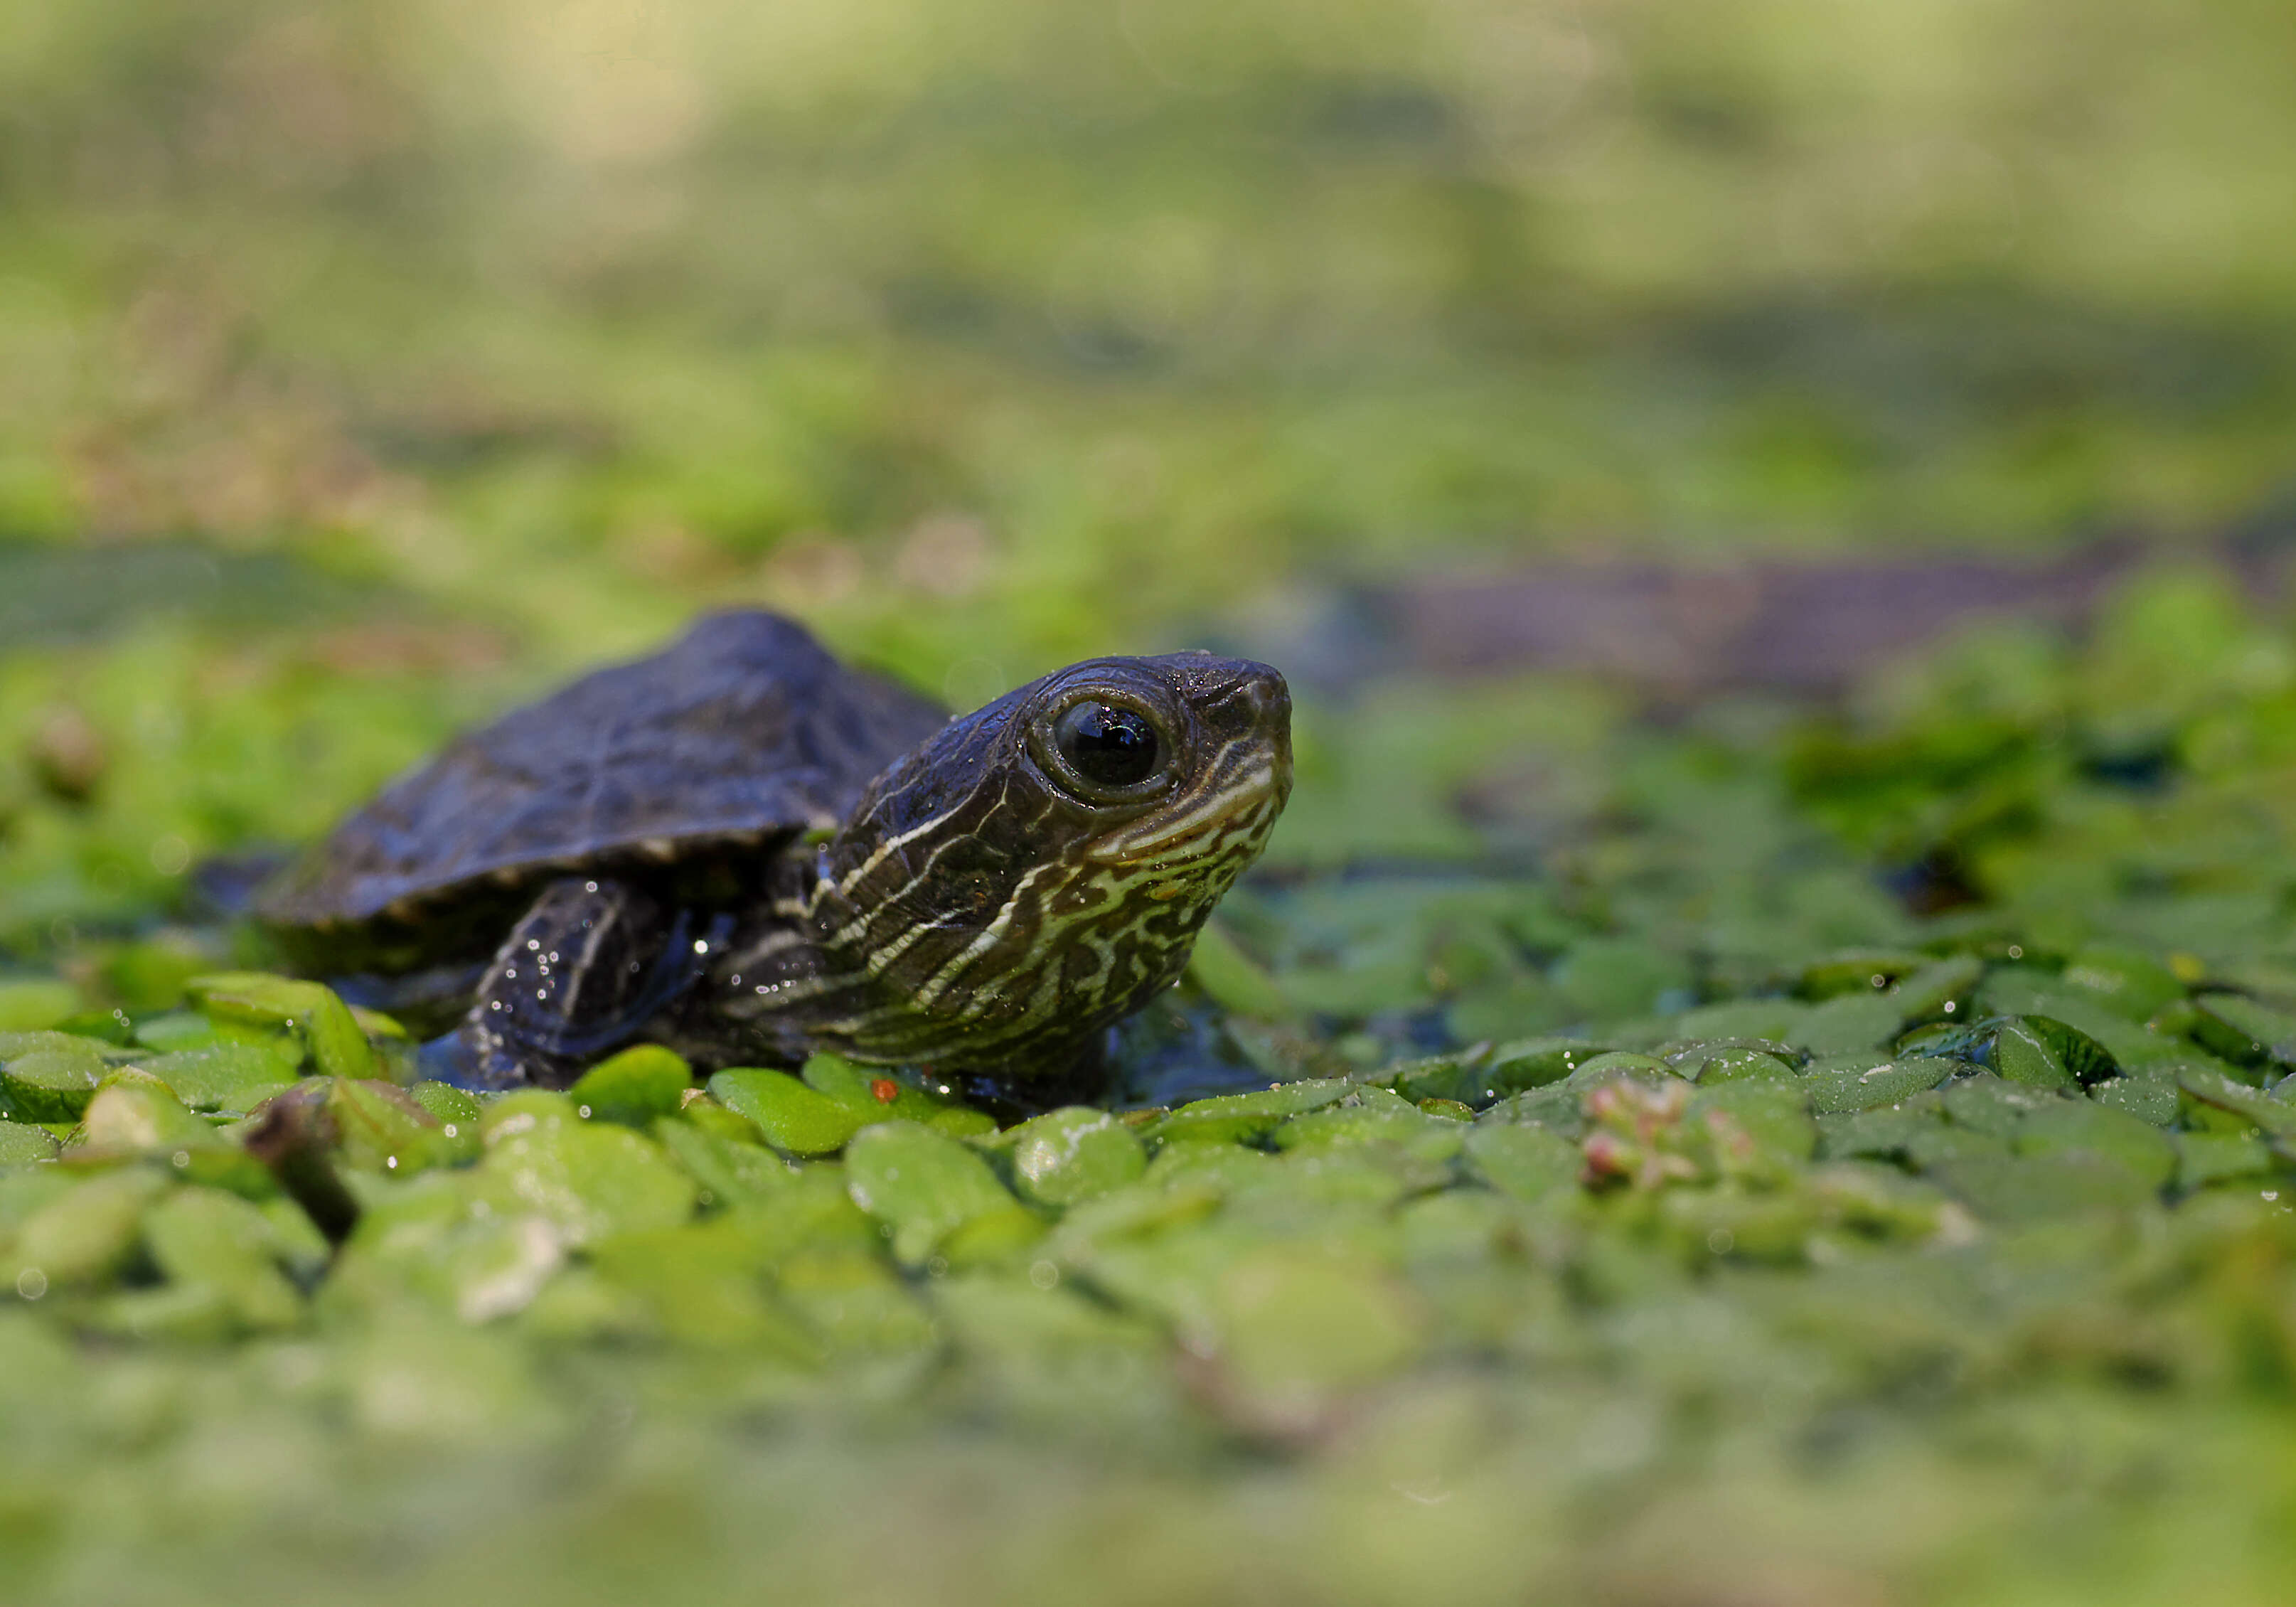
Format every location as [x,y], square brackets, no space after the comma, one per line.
[586,967]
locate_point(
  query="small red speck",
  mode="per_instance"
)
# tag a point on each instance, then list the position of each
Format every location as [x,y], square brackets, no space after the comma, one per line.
[886,1090]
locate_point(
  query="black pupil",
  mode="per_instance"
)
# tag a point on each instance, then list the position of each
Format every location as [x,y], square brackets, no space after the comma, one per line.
[1109,746]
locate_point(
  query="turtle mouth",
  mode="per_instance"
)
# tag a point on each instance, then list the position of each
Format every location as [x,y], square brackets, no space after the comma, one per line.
[1249,802]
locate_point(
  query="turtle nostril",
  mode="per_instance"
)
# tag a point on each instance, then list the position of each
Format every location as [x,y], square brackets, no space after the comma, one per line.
[1268,696]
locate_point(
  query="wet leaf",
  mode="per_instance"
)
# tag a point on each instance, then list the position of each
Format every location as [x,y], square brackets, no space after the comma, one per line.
[2269,1115]
[451,1105]
[2244,1031]
[2088,1060]
[2065,1127]
[794,1119]
[2150,1095]
[330,1029]
[1074,1154]
[49,1076]
[1892,1130]
[1529,1163]
[233,1077]
[2206,1158]
[21,1144]
[2022,1054]
[383,1128]
[137,1114]
[1775,1116]
[925,1186]
[1992,1105]
[587,1179]
[177,1030]
[1608,979]
[634,1087]
[880,1096]
[730,1169]
[1237,1118]
[1861,1087]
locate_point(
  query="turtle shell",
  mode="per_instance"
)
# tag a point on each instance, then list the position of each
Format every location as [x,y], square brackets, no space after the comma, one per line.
[743,733]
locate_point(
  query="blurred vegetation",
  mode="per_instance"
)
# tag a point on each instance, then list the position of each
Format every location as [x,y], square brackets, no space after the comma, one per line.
[1769,1153]
[563,316]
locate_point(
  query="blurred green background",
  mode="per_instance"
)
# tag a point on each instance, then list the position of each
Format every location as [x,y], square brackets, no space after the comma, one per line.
[366,367]
[1040,325]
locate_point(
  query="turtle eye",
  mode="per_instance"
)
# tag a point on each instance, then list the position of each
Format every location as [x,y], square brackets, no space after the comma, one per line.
[1107,744]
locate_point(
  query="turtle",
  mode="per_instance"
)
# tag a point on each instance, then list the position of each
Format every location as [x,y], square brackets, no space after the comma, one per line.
[746,850]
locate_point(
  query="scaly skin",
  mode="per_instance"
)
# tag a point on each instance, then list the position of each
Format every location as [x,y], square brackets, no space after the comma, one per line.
[725,848]
[976,914]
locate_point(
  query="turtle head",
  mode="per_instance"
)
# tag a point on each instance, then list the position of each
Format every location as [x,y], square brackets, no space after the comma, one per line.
[1041,867]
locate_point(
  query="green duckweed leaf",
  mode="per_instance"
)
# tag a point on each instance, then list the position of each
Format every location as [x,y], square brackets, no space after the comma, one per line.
[633,1086]
[23,1143]
[49,1076]
[2206,1158]
[1239,1118]
[204,1238]
[2088,1060]
[1989,1104]
[1861,1087]
[2022,1054]
[924,1186]
[33,1004]
[1773,1020]
[589,1180]
[1074,1154]
[222,1076]
[705,1285]
[2063,1126]
[176,1030]
[2273,1116]
[1886,1131]
[335,1035]
[384,1128]
[1774,1115]
[795,1120]
[448,1103]
[83,1235]
[730,1166]
[1529,1163]
[2150,1095]
[2245,1030]
[878,1094]
[137,1114]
